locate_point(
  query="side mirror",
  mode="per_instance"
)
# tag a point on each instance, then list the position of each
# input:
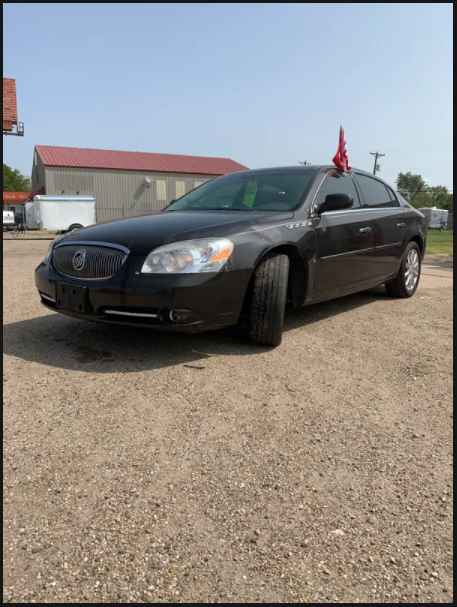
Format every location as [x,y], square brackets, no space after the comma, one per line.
[335,202]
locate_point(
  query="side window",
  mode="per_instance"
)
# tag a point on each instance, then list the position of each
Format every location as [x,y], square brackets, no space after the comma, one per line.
[338,183]
[393,197]
[375,193]
[404,203]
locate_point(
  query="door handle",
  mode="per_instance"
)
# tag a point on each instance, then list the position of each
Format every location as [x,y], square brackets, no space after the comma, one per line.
[401,225]
[366,230]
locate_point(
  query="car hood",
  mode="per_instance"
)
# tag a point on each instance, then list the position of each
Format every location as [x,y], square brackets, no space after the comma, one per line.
[143,234]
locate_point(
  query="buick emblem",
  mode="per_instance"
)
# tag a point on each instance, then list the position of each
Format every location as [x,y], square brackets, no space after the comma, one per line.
[79,260]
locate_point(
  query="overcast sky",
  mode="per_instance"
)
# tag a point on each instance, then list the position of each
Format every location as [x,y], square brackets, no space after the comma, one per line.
[265,85]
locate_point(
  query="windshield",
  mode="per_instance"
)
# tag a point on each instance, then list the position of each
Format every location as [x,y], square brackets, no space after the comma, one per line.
[250,191]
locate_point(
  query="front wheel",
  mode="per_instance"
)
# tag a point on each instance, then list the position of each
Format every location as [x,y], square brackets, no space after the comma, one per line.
[269,300]
[406,283]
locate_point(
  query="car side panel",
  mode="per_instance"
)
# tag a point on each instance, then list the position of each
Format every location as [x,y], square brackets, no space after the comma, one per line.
[344,251]
[416,227]
[390,237]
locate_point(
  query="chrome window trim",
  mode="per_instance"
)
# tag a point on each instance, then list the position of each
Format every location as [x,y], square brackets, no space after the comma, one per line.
[353,174]
[363,210]
[331,172]
[387,186]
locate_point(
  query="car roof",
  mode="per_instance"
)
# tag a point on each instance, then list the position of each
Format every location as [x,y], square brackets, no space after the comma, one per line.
[320,168]
[302,169]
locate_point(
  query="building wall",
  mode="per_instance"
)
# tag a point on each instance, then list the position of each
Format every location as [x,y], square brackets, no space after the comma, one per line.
[38,174]
[120,194]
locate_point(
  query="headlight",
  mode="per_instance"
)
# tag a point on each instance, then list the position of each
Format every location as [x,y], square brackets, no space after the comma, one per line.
[190,257]
[48,255]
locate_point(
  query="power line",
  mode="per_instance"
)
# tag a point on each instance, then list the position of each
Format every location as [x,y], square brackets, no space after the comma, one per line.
[418,147]
[437,151]
[428,173]
[432,166]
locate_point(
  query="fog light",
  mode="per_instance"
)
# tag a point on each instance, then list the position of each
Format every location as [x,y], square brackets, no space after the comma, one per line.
[173,316]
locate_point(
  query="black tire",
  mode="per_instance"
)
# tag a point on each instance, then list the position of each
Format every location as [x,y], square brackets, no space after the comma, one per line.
[75,226]
[269,300]
[399,288]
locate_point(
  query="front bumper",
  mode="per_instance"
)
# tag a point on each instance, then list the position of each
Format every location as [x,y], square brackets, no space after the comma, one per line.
[188,302]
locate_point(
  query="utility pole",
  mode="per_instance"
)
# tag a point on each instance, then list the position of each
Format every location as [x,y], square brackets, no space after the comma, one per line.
[305,163]
[376,155]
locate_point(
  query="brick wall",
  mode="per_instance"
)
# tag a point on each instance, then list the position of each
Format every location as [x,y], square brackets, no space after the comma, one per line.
[9,103]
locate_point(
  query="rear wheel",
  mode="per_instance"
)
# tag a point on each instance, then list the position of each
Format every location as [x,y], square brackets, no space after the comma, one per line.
[269,300]
[406,283]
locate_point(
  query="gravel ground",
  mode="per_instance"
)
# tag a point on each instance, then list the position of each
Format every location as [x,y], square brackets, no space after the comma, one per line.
[317,472]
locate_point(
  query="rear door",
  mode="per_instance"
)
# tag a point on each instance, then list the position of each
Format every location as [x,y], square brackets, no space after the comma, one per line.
[389,226]
[344,240]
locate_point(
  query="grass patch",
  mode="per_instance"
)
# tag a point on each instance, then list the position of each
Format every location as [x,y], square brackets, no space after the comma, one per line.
[440,242]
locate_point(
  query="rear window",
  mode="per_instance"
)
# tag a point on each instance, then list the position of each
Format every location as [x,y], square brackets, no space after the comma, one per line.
[393,197]
[404,202]
[250,191]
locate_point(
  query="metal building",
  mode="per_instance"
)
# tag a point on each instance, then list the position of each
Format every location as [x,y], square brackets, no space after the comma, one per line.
[124,184]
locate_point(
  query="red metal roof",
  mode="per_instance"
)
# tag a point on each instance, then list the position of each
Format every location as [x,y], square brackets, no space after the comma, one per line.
[84,158]
[9,103]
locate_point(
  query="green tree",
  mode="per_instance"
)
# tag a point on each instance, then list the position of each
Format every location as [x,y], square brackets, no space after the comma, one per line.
[423,200]
[410,186]
[442,198]
[14,181]
[420,195]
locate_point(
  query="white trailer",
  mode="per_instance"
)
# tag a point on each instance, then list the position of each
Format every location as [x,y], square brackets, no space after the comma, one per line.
[436,218]
[30,216]
[63,213]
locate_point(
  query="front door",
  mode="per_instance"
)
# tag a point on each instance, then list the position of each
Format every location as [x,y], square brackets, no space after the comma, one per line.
[344,240]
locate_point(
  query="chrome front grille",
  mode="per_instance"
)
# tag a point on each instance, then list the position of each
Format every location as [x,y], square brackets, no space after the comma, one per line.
[99,261]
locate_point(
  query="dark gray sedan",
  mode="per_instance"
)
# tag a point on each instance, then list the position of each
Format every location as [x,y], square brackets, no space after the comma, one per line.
[242,245]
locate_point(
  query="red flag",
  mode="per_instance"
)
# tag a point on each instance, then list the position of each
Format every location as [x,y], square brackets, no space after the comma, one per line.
[341,159]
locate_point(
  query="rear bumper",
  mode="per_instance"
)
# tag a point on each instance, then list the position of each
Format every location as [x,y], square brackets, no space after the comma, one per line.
[192,302]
